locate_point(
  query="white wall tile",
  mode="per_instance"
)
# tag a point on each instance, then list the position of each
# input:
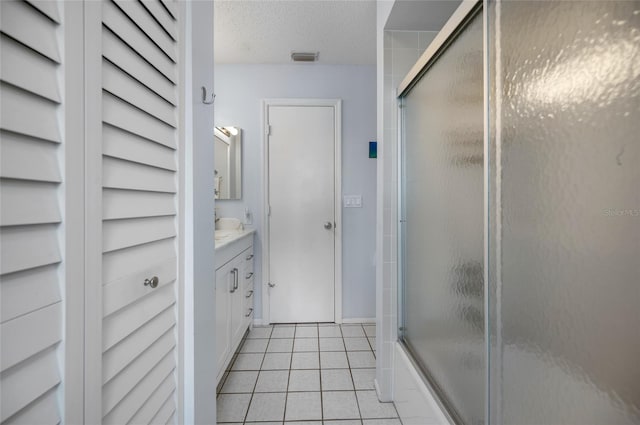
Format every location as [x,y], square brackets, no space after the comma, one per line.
[426,37]
[405,39]
[388,61]
[388,221]
[385,249]
[387,40]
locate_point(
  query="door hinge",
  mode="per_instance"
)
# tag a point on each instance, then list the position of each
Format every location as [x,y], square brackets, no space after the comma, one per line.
[268,129]
[269,211]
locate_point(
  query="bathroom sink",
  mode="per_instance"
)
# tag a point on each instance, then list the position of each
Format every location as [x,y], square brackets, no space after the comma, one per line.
[228,229]
[229,224]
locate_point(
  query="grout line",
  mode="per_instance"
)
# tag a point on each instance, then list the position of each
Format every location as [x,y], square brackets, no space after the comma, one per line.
[264,355]
[286,394]
[355,395]
[320,376]
[354,391]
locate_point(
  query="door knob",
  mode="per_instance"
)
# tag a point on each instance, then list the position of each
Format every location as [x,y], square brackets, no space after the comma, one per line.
[153,282]
[328,225]
[272,285]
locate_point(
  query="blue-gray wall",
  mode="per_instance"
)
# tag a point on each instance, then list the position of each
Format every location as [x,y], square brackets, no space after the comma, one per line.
[240,90]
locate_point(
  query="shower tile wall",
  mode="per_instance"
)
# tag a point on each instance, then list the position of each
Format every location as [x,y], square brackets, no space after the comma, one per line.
[401,51]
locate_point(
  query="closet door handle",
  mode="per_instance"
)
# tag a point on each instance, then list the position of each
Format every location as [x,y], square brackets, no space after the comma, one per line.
[249,313]
[249,257]
[249,275]
[249,294]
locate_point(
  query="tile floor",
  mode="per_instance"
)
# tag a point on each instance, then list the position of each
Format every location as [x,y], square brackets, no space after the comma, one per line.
[307,374]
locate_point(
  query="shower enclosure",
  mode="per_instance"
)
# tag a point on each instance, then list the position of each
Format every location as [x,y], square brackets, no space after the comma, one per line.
[520,213]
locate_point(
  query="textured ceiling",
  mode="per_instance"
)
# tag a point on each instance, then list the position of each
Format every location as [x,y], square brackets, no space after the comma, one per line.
[267,31]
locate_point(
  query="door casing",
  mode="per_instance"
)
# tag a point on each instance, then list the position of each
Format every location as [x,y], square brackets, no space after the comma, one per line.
[337,110]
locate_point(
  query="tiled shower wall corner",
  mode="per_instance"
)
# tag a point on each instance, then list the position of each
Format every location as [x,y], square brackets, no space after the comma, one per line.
[401,51]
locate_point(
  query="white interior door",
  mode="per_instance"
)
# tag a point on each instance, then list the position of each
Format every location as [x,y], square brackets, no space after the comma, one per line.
[302,218]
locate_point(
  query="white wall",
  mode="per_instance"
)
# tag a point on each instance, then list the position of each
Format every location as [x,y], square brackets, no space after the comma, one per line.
[240,90]
[197,254]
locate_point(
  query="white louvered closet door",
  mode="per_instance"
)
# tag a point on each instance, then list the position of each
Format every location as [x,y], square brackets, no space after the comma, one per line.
[139,139]
[88,210]
[36,265]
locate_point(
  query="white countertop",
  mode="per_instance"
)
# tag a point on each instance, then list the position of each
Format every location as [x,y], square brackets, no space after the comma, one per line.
[226,237]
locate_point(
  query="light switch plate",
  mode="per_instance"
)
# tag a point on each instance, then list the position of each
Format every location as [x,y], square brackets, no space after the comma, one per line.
[352,201]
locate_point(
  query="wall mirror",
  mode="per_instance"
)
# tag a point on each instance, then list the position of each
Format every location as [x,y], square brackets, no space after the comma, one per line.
[228,162]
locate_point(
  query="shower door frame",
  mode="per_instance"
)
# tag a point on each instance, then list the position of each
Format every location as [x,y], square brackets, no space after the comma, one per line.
[457,23]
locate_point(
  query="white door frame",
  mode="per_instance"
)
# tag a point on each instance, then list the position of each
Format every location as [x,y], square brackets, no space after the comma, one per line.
[337,110]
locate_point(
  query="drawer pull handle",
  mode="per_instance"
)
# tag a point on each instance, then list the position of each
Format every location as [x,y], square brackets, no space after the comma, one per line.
[249,257]
[249,275]
[249,294]
[153,282]
[249,313]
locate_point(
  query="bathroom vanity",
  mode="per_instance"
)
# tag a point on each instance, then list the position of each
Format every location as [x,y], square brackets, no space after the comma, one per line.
[234,292]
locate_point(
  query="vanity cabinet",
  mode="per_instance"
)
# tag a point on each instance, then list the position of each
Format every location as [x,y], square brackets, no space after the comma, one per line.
[234,298]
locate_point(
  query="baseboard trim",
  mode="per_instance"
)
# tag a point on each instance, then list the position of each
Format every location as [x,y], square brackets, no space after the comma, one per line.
[259,322]
[359,320]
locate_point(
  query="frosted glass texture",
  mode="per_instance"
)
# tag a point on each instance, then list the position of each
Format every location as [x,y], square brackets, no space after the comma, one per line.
[443,319]
[566,145]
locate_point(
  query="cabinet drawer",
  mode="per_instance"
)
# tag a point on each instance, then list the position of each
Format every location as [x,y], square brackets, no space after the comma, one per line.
[248,260]
[247,277]
[248,300]
[249,313]
[248,294]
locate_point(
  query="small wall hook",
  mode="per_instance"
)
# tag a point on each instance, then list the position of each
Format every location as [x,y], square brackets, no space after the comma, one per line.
[204,97]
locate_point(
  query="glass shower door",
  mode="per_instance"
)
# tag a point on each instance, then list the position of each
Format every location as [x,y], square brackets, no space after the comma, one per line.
[551,215]
[566,276]
[443,291]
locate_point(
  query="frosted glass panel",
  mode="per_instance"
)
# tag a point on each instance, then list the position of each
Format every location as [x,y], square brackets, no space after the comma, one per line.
[443,323]
[567,143]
